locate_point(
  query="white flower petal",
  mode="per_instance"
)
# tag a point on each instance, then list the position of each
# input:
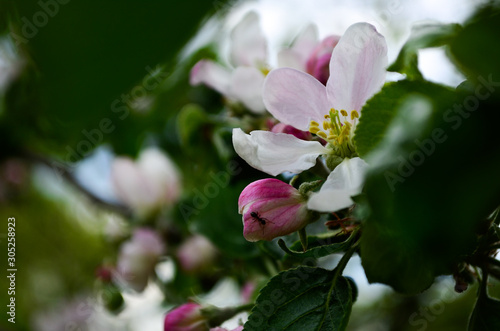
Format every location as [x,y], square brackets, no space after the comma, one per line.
[274,153]
[330,201]
[248,44]
[357,67]
[289,58]
[246,86]
[211,74]
[130,184]
[348,175]
[344,181]
[161,174]
[10,62]
[296,56]
[295,98]
[306,41]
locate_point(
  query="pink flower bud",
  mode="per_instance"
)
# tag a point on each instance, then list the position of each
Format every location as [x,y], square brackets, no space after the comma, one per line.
[187,317]
[285,128]
[104,273]
[318,63]
[138,257]
[247,291]
[196,253]
[271,208]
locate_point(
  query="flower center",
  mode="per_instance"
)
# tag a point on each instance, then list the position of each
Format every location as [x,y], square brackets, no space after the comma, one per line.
[338,133]
[265,70]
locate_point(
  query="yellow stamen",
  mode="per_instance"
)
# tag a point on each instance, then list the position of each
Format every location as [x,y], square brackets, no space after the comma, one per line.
[343,112]
[354,114]
[314,123]
[265,70]
[326,126]
[313,129]
[321,134]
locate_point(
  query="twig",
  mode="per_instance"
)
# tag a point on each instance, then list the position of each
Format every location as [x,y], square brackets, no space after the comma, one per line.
[68,176]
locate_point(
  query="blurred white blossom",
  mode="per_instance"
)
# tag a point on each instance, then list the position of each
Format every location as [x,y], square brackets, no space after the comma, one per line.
[148,183]
[196,254]
[138,257]
[10,63]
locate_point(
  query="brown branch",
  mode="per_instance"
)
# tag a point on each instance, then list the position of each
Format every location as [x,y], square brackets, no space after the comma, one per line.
[67,175]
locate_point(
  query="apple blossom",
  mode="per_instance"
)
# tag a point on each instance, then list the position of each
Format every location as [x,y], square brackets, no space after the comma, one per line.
[82,312]
[309,55]
[147,184]
[318,62]
[187,317]
[138,257]
[196,254]
[249,57]
[297,55]
[271,208]
[357,72]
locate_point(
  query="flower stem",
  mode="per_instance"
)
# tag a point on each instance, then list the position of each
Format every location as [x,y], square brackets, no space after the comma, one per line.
[293,180]
[245,307]
[496,246]
[271,268]
[494,261]
[303,238]
[217,316]
[483,289]
[340,268]
[494,216]
[344,260]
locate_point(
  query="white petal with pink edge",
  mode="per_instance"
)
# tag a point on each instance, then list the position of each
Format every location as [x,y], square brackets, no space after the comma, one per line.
[295,98]
[357,67]
[345,181]
[248,44]
[246,86]
[274,153]
[211,74]
[296,56]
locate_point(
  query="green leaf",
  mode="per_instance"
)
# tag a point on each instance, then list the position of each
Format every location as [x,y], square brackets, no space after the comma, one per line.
[473,48]
[486,313]
[422,36]
[303,299]
[213,212]
[189,121]
[88,64]
[318,246]
[435,179]
[379,111]
[432,180]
